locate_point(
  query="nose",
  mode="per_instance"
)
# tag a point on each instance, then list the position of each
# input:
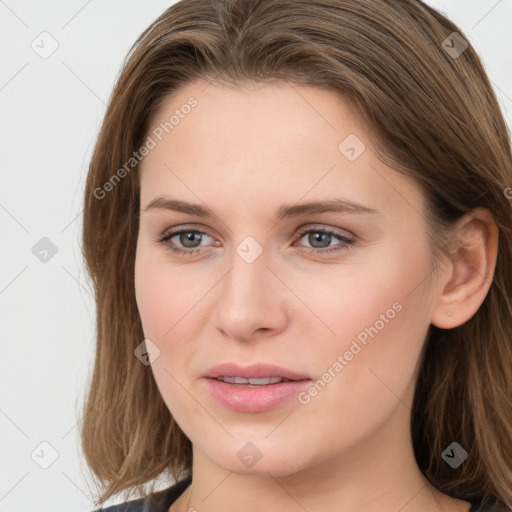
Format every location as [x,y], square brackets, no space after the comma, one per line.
[251,301]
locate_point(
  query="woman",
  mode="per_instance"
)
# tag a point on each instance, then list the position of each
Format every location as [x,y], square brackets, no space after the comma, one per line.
[298,228]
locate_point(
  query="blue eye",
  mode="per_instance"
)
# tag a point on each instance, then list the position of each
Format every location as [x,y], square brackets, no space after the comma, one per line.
[321,238]
[189,241]
[189,238]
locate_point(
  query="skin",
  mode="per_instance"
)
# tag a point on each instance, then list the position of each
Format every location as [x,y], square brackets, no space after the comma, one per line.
[243,152]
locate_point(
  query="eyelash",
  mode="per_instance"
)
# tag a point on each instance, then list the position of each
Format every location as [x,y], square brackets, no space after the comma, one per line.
[167,236]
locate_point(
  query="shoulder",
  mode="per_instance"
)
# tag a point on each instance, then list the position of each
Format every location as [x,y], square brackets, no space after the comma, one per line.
[157,502]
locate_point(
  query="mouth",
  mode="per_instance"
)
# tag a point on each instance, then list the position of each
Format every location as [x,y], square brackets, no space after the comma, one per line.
[255,374]
[255,389]
[253,382]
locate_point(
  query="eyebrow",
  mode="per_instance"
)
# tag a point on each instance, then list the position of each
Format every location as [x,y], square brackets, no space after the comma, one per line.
[284,211]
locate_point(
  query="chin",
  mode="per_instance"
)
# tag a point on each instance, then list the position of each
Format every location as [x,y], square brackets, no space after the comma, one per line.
[260,457]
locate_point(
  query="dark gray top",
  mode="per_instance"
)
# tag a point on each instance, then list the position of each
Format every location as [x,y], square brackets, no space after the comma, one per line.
[162,500]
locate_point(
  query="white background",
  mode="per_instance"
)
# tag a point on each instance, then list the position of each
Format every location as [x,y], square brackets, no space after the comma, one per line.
[51,110]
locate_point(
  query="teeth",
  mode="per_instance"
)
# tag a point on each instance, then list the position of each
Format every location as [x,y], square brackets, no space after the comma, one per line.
[256,382]
[265,380]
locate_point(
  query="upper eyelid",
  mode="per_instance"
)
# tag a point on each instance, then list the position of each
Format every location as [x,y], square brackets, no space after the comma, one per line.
[180,229]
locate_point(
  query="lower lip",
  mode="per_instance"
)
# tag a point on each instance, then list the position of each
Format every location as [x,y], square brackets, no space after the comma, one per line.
[254,399]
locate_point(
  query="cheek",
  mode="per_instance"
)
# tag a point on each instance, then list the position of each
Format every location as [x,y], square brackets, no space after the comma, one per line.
[165,297]
[152,299]
[173,305]
[380,318]
[163,304]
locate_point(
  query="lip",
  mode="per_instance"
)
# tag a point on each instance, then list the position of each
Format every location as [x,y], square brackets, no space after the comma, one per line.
[255,371]
[242,398]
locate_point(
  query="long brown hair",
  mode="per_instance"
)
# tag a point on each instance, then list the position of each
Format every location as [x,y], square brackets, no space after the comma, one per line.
[434,116]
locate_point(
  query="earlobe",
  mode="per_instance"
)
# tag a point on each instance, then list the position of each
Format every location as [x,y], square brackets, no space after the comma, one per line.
[470,272]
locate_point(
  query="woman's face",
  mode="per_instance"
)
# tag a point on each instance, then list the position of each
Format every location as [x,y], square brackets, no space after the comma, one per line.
[338,297]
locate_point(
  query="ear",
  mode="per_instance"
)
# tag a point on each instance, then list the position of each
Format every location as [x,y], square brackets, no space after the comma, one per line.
[470,271]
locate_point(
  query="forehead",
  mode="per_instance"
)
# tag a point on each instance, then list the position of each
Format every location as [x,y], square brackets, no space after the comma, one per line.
[276,107]
[261,140]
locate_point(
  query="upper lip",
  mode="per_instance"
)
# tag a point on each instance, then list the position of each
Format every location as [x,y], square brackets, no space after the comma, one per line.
[253,371]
